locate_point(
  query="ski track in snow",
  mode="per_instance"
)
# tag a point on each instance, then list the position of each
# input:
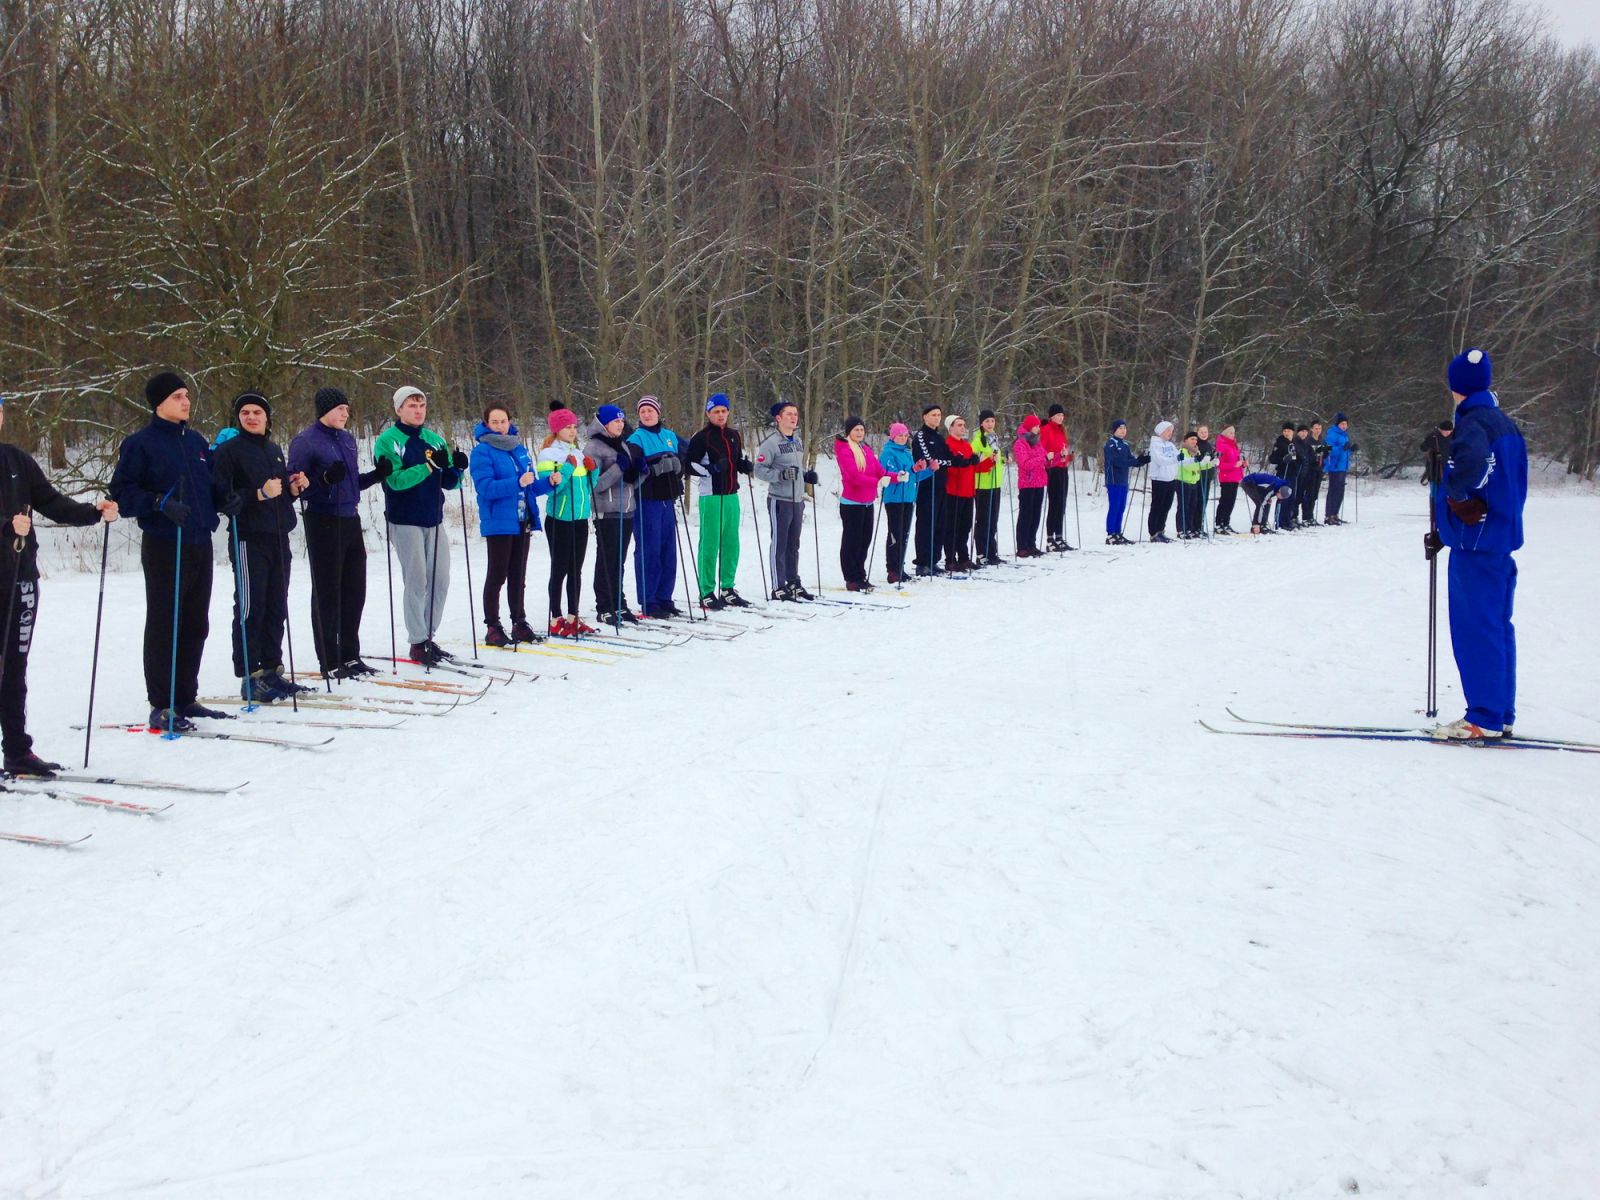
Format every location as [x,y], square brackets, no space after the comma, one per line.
[953,901]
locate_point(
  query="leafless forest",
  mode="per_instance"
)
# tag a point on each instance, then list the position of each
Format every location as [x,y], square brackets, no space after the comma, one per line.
[1244,209]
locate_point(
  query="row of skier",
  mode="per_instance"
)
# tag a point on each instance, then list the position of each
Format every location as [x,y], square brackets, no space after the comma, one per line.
[939,492]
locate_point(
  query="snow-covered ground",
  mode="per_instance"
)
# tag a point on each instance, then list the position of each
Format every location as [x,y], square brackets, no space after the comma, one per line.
[954,901]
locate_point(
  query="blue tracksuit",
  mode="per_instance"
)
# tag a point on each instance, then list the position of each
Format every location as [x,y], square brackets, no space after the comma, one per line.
[166,459]
[1488,462]
[655,558]
[1120,460]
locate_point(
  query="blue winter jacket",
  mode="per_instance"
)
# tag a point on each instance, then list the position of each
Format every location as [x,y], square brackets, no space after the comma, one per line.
[504,505]
[1265,479]
[1119,461]
[895,459]
[1488,460]
[166,459]
[1338,442]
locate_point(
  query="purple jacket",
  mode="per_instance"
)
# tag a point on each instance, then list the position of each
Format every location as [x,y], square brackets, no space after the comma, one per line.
[313,450]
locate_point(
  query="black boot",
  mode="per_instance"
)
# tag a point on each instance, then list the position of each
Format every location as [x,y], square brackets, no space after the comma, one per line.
[31,764]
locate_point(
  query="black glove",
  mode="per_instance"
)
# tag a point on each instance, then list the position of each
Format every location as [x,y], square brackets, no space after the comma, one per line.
[1432,543]
[174,510]
[1352,448]
[458,459]
[810,477]
[335,474]
[630,473]
[383,468]
[231,506]
[1142,461]
[745,466]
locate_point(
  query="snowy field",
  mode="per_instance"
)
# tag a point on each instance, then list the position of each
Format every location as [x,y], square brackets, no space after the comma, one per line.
[949,902]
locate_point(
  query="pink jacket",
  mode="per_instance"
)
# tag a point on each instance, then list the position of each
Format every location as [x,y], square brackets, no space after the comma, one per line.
[1230,463]
[860,483]
[1028,460]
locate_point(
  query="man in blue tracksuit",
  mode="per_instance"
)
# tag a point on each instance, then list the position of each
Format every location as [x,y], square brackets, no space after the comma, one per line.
[1120,461]
[1480,519]
[163,480]
[655,561]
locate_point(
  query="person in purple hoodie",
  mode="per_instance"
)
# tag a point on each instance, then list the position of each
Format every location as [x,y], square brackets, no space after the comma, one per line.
[336,548]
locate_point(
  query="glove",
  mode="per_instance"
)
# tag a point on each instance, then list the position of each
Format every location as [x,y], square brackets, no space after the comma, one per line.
[572,461]
[458,459]
[809,477]
[1470,511]
[589,464]
[175,510]
[716,468]
[1352,448]
[630,473]
[335,474]
[232,505]
[667,464]
[789,473]
[1208,461]
[383,468]
[986,465]
[1142,461]
[746,467]
[903,477]
[1432,543]
[920,465]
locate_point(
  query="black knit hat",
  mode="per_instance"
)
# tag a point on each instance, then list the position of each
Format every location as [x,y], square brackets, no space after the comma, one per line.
[985,415]
[1191,434]
[850,423]
[158,387]
[928,408]
[1056,410]
[328,399]
[250,397]
[778,408]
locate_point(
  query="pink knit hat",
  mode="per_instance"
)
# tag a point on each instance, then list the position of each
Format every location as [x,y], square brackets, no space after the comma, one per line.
[561,418]
[898,429]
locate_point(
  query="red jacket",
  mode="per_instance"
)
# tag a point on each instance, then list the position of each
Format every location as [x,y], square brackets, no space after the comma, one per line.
[1053,439]
[963,481]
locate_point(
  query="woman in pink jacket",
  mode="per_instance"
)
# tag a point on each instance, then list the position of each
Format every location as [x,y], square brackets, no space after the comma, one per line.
[861,476]
[1028,457]
[1230,470]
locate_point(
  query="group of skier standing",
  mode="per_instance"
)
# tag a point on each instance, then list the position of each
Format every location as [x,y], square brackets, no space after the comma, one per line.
[938,492]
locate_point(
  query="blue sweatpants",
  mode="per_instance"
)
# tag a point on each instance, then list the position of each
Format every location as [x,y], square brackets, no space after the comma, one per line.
[1117,495]
[1481,590]
[655,557]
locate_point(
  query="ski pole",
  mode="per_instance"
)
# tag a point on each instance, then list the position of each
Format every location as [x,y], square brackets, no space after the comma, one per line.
[756,521]
[288,618]
[816,533]
[1432,703]
[94,660]
[172,670]
[388,562]
[241,604]
[1144,494]
[1077,515]
[466,553]
[1011,503]
[680,536]
[872,546]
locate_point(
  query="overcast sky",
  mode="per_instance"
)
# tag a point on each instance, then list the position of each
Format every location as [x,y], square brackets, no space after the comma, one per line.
[1575,21]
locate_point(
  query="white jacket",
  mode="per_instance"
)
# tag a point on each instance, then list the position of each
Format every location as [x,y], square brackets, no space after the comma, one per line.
[1163,459]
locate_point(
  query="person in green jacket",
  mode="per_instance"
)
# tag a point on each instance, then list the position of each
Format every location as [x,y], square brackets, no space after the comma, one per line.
[422,468]
[570,474]
[986,526]
[1192,466]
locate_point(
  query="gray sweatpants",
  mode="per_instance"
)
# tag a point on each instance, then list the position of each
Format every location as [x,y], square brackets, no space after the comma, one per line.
[425,576]
[788,518]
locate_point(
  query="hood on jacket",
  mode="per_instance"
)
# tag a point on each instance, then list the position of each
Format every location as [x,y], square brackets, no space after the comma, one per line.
[496,441]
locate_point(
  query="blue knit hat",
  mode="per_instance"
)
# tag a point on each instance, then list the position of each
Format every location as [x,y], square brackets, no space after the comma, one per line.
[1470,372]
[780,406]
[609,413]
[1117,424]
[1339,418]
[717,401]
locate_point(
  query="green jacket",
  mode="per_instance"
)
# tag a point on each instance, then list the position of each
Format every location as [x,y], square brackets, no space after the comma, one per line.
[994,477]
[413,494]
[1191,466]
[574,499]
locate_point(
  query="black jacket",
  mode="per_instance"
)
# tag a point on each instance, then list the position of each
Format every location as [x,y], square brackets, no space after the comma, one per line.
[23,485]
[241,465]
[166,458]
[1285,457]
[715,454]
[1310,464]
